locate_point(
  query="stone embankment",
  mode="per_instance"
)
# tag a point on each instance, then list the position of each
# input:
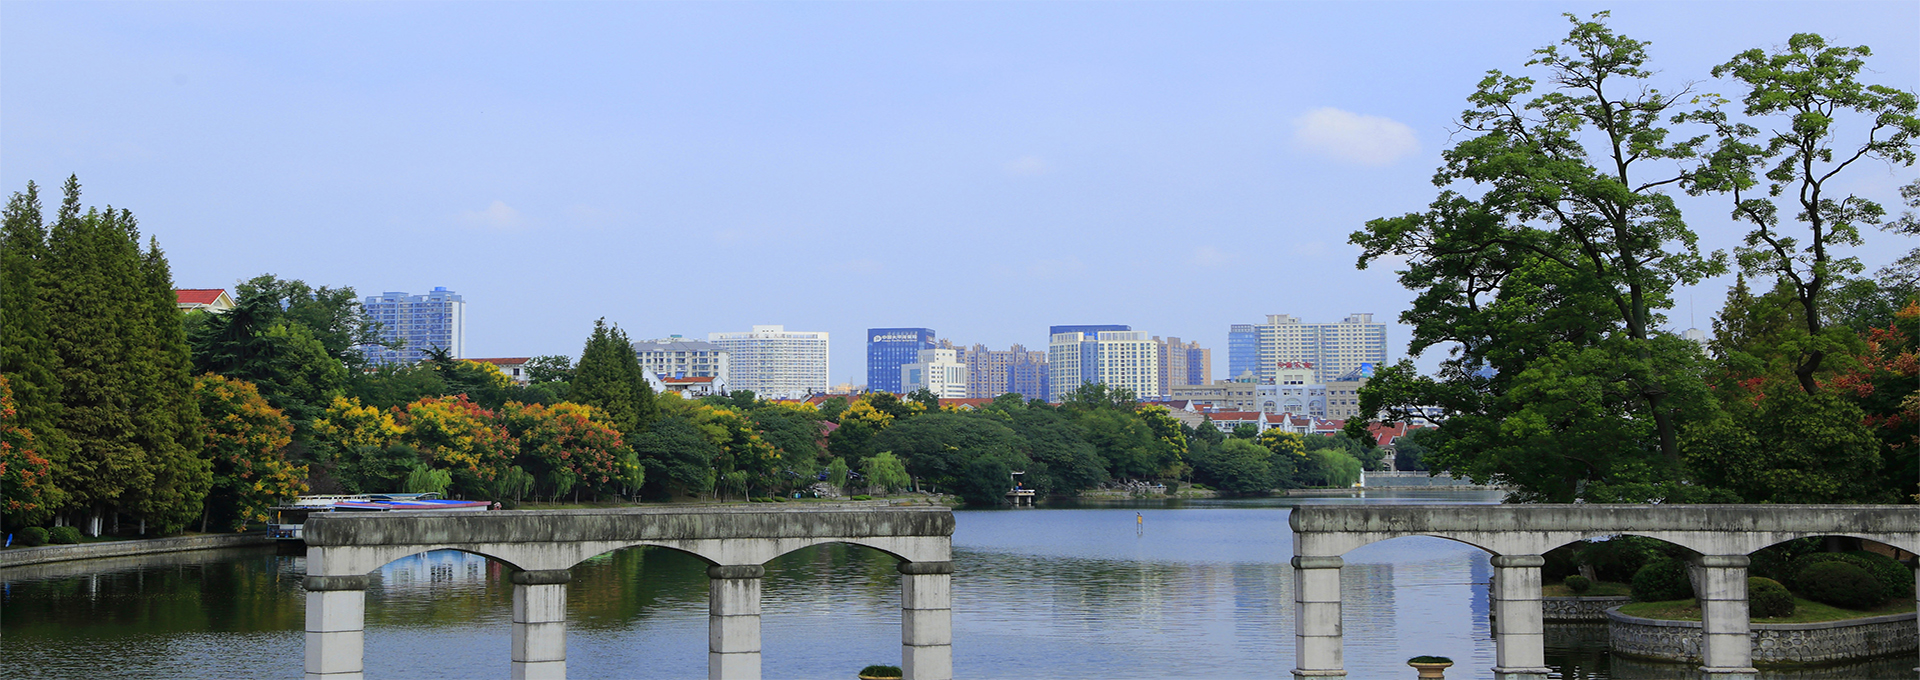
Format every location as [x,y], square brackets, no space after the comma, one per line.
[18,557]
[1773,643]
[1590,608]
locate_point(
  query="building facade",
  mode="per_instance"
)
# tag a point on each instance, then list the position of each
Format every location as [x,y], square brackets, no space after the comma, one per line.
[1332,348]
[888,349]
[1110,355]
[211,300]
[1017,370]
[774,362]
[421,322]
[677,357]
[939,371]
[1182,363]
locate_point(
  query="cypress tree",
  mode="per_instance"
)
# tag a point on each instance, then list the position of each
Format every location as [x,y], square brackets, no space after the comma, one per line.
[93,284]
[171,431]
[609,378]
[26,357]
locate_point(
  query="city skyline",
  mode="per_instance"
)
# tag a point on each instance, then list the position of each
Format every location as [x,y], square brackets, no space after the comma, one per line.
[801,163]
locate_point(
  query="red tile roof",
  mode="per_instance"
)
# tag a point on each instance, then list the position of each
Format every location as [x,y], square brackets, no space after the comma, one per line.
[198,296]
[504,361]
[689,380]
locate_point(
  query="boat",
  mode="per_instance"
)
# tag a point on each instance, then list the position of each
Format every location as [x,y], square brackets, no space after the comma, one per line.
[290,520]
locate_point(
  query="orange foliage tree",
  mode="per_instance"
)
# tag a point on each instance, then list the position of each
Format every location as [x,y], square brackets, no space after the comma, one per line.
[27,493]
[459,436]
[246,439]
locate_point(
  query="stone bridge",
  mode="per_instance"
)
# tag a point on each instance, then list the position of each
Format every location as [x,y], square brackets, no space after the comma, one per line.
[543,546]
[1721,536]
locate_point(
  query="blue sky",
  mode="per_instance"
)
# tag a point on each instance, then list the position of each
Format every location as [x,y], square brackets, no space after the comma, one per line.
[983,169]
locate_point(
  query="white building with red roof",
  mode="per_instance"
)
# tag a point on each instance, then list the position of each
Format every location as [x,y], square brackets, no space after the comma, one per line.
[213,300]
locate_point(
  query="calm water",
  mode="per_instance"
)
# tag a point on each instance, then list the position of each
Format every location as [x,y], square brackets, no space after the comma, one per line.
[1202,592]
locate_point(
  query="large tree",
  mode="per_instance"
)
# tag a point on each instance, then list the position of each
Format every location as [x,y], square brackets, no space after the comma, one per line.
[1544,263]
[1811,96]
[27,359]
[609,378]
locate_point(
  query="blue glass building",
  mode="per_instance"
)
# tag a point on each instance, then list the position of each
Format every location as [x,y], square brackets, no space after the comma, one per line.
[435,320]
[1243,350]
[890,348]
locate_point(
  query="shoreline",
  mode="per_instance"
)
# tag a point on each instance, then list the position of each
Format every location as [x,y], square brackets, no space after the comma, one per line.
[47,554]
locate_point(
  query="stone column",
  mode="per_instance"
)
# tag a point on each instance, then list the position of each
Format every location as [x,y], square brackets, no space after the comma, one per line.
[733,622]
[540,624]
[336,626]
[1519,628]
[926,620]
[1316,617]
[1726,650]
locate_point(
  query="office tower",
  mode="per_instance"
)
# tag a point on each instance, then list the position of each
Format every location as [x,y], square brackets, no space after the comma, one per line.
[435,320]
[1111,355]
[939,371]
[890,348]
[774,362]
[1182,364]
[1331,348]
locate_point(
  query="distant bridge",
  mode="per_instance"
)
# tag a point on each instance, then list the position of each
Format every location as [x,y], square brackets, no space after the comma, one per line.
[544,545]
[1519,535]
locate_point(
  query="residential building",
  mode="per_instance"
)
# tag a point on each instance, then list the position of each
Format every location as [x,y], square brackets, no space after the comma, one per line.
[1182,364]
[1017,370]
[774,362]
[888,349]
[1110,355]
[1331,349]
[421,322]
[513,367]
[1343,394]
[213,300]
[677,357]
[692,387]
[1294,398]
[938,371]
[1224,395]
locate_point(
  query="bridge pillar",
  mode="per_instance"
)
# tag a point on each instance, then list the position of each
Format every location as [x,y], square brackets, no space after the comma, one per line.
[540,624]
[336,626]
[1316,617]
[733,621]
[1726,650]
[1519,627]
[926,620]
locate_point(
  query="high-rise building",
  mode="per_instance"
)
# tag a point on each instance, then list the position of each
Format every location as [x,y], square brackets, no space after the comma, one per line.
[1017,370]
[1332,348]
[890,348]
[775,362]
[435,320]
[937,370]
[677,357]
[1114,356]
[1182,364]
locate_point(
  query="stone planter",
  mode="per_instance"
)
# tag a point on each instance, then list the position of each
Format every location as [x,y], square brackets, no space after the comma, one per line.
[1773,643]
[1431,670]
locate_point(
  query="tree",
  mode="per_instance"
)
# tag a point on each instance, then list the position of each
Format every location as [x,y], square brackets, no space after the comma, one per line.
[246,441]
[27,494]
[1236,466]
[677,455]
[609,378]
[570,446]
[1808,87]
[1545,262]
[550,368]
[460,437]
[1063,461]
[885,472]
[27,359]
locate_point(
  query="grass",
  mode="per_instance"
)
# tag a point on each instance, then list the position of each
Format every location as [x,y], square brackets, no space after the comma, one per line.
[1804,611]
[1599,589]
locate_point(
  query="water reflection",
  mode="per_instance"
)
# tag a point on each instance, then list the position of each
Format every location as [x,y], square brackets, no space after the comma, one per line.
[1197,589]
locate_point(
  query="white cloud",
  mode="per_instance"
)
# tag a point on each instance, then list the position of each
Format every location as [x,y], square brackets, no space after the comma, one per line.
[499,215]
[1354,138]
[1027,166]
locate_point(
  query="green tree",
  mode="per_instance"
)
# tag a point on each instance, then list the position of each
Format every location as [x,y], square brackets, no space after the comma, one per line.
[1063,461]
[1236,466]
[885,472]
[938,448]
[1809,87]
[1545,261]
[246,441]
[27,358]
[678,458]
[609,378]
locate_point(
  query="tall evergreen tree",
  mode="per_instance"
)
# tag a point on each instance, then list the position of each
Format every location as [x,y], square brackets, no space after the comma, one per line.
[27,358]
[609,378]
[172,432]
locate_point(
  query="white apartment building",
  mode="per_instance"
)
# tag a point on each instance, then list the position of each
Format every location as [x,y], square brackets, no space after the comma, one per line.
[677,357]
[435,320]
[1332,349]
[774,362]
[1118,359]
[939,371]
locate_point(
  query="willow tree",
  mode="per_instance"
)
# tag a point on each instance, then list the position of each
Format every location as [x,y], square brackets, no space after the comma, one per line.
[1545,262]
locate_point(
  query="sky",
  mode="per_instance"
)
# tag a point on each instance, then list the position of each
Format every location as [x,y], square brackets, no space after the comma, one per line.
[982,169]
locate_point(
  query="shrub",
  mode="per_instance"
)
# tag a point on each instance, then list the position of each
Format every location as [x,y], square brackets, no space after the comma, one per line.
[1766,598]
[64,535]
[1662,580]
[1429,659]
[32,536]
[1579,584]
[1841,584]
[881,672]
[1895,579]
[862,497]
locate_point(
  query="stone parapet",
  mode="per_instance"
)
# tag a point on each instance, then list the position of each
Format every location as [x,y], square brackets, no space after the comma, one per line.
[1591,608]
[1773,643]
